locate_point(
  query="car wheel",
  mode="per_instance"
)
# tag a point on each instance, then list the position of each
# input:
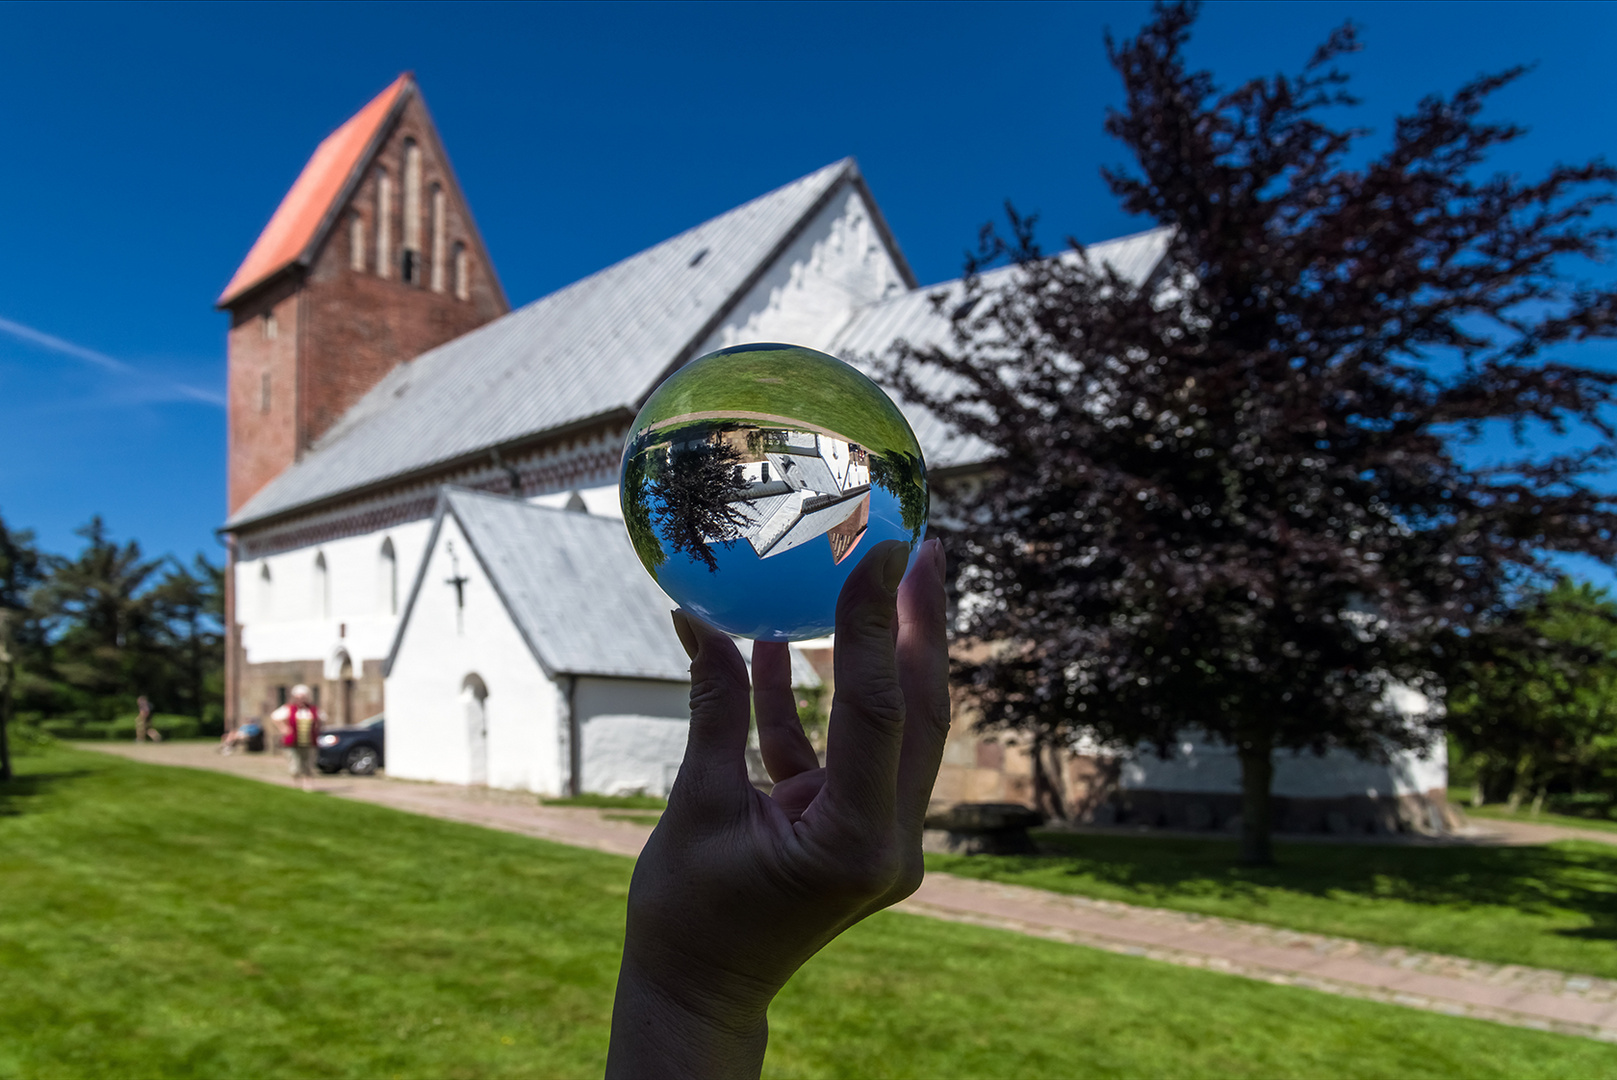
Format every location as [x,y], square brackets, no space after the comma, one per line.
[361,760]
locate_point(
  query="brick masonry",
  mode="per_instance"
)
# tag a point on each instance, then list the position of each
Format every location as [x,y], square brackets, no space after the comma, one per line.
[324,335]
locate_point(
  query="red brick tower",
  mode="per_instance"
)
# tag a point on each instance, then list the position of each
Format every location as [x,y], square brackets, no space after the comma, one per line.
[371,259]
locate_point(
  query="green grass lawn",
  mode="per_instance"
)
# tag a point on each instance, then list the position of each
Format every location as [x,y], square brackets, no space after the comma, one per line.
[1553,906]
[1497,812]
[172,922]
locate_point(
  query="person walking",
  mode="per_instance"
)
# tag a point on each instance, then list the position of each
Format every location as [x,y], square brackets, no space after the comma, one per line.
[300,721]
[143,722]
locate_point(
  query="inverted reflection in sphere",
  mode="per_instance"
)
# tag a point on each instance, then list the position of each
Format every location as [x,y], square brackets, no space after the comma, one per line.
[754,479]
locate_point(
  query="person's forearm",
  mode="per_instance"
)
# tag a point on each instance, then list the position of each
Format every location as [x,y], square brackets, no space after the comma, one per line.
[660,1032]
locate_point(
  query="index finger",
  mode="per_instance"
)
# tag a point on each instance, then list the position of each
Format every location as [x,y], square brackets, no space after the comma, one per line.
[866,731]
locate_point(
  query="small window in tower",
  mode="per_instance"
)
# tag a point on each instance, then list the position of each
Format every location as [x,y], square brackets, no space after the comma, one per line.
[356,242]
[384,224]
[269,326]
[463,272]
[439,204]
[411,272]
[264,392]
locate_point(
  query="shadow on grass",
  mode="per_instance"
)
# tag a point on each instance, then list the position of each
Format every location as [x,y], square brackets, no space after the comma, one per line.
[1570,876]
[19,794]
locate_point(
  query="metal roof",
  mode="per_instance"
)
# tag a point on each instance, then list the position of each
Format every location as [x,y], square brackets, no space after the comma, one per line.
[296,223]
[571,584]
[575,589]
[591,349]
[923,321]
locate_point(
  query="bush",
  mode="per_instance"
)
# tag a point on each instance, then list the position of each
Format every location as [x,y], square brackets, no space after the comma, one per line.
[81,726]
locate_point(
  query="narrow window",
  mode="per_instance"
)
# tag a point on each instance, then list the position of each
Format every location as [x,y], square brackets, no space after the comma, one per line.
[322,587]
[388,586]
[356,242]
[264,395]
[268,327]
[266,595]
[412,212]
[463,273]
[439,203]
[384,219]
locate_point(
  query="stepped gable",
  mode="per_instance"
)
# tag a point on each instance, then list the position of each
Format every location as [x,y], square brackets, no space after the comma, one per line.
[590,351]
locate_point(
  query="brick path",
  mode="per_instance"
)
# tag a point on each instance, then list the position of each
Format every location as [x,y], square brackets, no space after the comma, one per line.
[1511,994]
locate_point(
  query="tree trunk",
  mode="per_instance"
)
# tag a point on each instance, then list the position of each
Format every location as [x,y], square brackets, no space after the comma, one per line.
[1257,777]
[8,672]
[1046,796]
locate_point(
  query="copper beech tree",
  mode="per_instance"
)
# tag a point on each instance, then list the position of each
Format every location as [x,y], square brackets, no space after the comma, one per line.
[1227,500]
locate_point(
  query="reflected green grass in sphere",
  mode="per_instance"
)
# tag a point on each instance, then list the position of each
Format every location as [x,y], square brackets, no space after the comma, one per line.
[756,477]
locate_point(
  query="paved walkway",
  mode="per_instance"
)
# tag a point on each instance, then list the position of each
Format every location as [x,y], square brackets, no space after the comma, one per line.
[1526,997]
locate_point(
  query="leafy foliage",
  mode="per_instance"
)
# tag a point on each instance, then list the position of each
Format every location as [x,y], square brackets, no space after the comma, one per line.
[1535,704]
[82,636]
[1226,498]
[695,492]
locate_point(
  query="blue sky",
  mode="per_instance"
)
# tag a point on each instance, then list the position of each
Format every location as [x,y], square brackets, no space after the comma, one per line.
[147,145]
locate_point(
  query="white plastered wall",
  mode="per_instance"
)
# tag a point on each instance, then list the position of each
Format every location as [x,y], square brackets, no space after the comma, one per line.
[633,733]
[281,619]
[837,264]
[1199,765]
[427,736]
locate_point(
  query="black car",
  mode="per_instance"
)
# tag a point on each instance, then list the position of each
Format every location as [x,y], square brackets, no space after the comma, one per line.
[357,749]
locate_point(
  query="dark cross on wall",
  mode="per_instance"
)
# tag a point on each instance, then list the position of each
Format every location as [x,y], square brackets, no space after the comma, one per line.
[459,582]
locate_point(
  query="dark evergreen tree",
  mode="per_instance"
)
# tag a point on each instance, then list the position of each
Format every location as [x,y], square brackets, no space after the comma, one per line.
[19,573]
[1227,499]
[103,626]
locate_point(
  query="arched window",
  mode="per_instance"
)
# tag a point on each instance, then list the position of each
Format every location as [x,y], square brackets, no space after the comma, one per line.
[266,594]
[356,242]
[264,392]
[388,583]
[412,213]
[463,272]
[384,221]
[322,587]
[439,204]
[268,327]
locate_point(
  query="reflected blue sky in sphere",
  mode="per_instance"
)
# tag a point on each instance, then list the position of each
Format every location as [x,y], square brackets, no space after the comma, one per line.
[756,478]
[789,597]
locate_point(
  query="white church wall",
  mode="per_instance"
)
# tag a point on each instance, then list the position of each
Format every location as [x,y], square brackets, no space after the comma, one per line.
[598,501]
[837,264]
[1202,766]
[282,618]
[428,735]
[633,733]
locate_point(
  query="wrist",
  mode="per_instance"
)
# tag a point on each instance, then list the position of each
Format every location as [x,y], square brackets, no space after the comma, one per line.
[670,1021]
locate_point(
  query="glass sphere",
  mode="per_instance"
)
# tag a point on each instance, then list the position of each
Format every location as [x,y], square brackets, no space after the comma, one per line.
[756,477]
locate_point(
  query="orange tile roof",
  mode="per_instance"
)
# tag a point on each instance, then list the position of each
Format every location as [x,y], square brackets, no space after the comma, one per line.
[306,206]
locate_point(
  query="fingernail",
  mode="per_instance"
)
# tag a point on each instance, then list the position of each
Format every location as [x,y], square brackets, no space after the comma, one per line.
[687,634]
[893,567]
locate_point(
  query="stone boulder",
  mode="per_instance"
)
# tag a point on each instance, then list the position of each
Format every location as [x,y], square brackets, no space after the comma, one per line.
[982,829]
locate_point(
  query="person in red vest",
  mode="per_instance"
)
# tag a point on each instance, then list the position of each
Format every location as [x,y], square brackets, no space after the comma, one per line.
[300,725]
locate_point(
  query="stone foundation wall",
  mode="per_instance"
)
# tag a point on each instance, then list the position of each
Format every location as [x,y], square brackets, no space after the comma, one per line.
[999,768]
[264,687]
[1427,813]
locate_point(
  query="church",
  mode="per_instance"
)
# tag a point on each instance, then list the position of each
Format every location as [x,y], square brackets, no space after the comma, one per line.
[413,464]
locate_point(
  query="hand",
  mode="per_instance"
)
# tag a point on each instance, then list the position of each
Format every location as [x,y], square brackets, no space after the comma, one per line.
[736,889]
